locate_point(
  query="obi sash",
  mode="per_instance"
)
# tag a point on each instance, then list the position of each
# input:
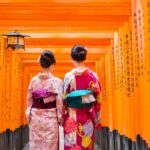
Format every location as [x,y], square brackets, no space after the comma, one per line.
[42,93]
[39,96]
[75,99]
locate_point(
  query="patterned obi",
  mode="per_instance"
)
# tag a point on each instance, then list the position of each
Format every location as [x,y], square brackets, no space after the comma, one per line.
[80,99]
[43,99]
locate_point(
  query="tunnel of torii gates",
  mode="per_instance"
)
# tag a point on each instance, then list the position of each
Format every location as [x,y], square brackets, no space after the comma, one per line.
[116,34]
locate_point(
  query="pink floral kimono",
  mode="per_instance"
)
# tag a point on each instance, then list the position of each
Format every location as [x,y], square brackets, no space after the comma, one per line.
[44,111]
[82,102]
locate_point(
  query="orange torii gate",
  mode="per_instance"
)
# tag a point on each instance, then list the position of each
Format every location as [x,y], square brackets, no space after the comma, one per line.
[117,37]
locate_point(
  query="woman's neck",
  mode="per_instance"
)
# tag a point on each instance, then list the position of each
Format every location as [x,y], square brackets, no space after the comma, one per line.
[46,71]
[80,66]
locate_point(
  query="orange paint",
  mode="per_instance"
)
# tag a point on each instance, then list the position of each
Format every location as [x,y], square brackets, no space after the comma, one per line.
[58,25]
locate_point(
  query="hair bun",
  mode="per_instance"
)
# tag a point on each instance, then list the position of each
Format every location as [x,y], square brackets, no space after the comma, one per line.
[78,53]
[82,52]
[45,57]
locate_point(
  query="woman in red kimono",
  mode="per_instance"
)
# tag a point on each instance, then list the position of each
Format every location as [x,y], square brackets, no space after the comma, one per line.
[82,103]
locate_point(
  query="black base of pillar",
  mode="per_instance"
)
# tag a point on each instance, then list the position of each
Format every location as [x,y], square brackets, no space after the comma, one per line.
[14,140]
[105,139]
[114,141]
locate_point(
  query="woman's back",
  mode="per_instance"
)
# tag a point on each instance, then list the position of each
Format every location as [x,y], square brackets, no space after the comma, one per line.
[44,106]
[82,91]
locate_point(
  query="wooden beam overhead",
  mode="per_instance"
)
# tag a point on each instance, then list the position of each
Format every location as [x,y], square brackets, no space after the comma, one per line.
[68,41]
[64,1]
[60,51]
[67,24]
[102,35]
[66,17]
[59,56]
[60,29]
[67,9]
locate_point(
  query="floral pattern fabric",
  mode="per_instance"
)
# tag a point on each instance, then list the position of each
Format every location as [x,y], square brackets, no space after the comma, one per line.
[43,123]
[79,123]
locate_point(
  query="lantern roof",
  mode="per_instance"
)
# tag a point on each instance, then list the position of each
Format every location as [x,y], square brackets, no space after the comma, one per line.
[15,33]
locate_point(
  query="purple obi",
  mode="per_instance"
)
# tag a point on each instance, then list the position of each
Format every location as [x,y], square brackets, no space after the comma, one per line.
[39,96]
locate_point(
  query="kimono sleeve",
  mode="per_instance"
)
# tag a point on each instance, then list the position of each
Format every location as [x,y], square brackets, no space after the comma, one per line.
[29,100]
[59,99]
[66,87]
[95,86]
[66,90]
[96,109]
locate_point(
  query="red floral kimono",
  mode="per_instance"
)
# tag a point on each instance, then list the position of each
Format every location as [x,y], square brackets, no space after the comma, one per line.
[82,93]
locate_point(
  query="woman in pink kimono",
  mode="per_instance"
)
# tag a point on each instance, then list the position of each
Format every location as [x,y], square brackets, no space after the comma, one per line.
[44,106]
[82,92]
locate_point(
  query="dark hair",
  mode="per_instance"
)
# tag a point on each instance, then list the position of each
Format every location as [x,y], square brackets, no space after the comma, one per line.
[78,53]
[47,59]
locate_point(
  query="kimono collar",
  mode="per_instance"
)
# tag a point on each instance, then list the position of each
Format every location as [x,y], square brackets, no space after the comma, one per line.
[44,75]
[79,72]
